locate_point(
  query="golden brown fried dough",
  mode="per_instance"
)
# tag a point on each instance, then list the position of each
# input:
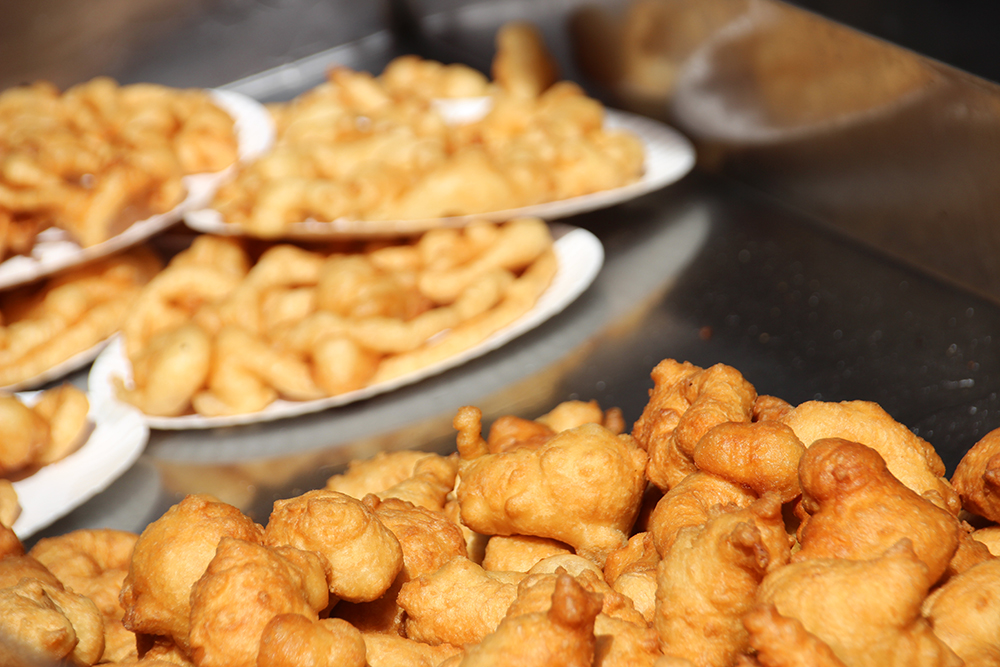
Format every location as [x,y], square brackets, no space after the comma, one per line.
[561,636]
[519,553]
[170,555]
[685,402]
[432,480]
[763,456]
[909,458]
[866,611]
[10,507]
[47,623]
[10,545]
[245,586]
[395,651]
[584,487]
[977,477]
[293,640]
[783,642]
[708,578]
[631,571]
[428,541]
[92,562]
[858,509]
[691,502]
[458,604]
[364,556]
[15,568]
[374,475]
[965,614]
[990,536]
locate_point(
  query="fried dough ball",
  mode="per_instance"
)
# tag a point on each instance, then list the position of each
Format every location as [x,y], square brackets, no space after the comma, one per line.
[561,636]
[909,458]
[685,402]
[970,552]
[989,536]
[293,640]
[965,614]
[428,541]
[631,571]
[170,555]
[519,553]
[432,480]
[395,651]
[458,604]
[783,642]
[245,586]
[763,456]
[65,408]
[584,487]
[24,435]
[48,624]
[15,568]
[92,562]
[10,508]
[977,477]
[866,611]
[374,475]
[858,509]
[708,578]
[691,502]
[570,414]
[534,594]
[364,556]
[10,545]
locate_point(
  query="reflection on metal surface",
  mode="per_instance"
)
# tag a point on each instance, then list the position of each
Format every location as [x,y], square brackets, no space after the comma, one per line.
[896,150]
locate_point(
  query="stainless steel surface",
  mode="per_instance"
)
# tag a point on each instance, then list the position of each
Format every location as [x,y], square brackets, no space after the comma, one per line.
[754,261]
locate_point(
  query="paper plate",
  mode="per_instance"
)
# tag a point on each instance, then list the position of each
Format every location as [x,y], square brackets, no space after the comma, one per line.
[580,256]
[54,249]
[116,441]
[669,156]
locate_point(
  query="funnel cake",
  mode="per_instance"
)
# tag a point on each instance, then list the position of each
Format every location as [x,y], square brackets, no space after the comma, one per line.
[583,487]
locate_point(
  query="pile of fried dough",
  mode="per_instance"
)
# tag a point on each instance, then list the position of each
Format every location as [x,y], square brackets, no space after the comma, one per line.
[381,148]
[727,529]
[224,331]
[48,322]
[96,158]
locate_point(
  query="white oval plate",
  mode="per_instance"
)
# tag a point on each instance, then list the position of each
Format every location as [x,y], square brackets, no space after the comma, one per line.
[669,156]
[54,250]
[118,437]
[580,256]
